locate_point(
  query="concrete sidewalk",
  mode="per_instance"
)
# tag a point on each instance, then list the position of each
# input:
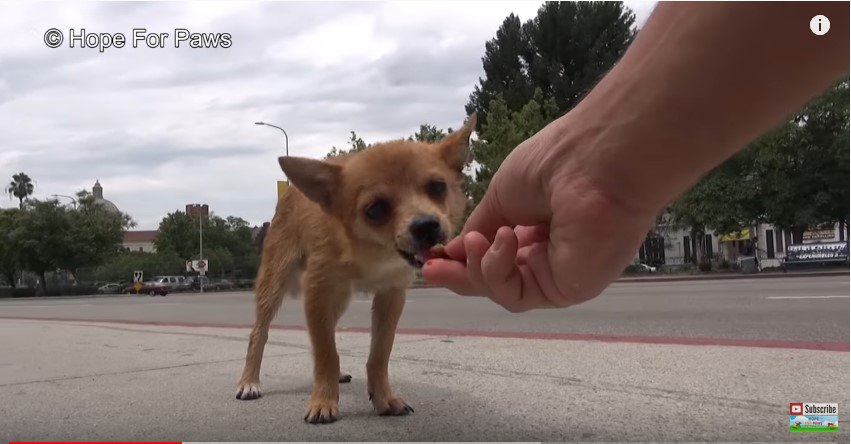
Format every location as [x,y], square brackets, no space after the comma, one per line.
[102,381]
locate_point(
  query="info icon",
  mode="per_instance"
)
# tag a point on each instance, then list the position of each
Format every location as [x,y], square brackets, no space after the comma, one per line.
[819,25]
[796,408]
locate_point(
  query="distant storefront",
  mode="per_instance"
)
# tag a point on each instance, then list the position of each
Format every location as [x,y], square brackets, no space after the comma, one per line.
[676,246]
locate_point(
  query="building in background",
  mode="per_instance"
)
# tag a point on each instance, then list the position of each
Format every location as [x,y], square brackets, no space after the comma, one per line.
[195,210]
[97,193]
[140,240]
[672,245]
[136,240]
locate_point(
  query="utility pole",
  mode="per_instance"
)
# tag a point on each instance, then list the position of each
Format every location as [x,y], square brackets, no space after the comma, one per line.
[200,211]
[201,244]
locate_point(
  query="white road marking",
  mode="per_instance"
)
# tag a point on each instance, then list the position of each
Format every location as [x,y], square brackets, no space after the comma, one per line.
[808,297]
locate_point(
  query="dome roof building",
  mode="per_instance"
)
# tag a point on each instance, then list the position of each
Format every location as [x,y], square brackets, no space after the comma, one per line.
[97,192]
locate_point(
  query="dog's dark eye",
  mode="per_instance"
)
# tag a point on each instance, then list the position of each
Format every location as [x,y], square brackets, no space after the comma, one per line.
[436,189]
[378,210]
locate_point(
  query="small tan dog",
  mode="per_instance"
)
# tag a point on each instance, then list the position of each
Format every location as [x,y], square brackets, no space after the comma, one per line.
[363,222]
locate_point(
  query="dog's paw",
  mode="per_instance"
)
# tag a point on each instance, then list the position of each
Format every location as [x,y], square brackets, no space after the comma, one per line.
[248,390]
[392,406]
[345,378]
[321,411]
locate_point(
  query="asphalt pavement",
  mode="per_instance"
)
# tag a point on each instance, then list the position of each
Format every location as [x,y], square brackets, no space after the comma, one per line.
[809,309]
[693,361]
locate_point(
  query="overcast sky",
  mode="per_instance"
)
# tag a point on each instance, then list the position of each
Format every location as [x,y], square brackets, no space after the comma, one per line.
[164,127]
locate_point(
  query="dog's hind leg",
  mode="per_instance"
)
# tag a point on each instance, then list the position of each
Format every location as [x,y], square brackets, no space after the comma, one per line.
[276,277]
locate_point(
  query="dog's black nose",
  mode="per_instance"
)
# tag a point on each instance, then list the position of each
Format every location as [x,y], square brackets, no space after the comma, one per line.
[425,229]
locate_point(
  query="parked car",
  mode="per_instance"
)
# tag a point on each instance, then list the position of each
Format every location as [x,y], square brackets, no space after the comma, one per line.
[197,280]
[113,288]
[150,288]
[174,283]
[184,283]
[222,284]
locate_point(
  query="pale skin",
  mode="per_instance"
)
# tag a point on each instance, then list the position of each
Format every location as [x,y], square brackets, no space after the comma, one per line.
[570,206]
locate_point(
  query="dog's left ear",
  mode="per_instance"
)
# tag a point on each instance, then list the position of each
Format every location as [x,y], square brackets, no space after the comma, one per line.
[318,180]
[455,148]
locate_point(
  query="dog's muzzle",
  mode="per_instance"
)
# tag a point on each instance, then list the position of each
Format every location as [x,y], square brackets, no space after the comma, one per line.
[426,231]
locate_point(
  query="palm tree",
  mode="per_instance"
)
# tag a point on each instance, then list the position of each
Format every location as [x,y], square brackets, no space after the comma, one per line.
[21,187]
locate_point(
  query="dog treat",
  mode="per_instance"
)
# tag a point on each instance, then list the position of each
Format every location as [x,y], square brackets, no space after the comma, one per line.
[438,252]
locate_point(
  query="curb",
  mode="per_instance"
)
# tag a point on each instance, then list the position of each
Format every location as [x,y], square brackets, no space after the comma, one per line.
[707,277]
[710,277]
[113,296]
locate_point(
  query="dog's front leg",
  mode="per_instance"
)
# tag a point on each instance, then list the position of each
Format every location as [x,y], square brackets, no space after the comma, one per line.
[324,303]
[386,310]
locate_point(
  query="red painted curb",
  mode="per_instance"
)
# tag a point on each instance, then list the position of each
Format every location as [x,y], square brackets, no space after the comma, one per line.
[836,346]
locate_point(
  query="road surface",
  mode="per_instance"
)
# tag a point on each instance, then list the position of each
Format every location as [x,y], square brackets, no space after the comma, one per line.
[674,361]
[806,309]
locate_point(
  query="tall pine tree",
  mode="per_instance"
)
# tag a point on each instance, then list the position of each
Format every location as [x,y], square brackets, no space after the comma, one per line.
[564,51]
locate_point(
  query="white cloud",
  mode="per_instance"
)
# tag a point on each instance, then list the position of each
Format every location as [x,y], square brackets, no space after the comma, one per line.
[161,128]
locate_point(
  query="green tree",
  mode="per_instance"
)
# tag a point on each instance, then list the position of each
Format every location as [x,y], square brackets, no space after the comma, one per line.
[724,200]
[803,166]
[227,242]
[94,233]
[355,144]
[9,250]
[429,133]
[505,130]
[506,72]
[120,266]
[571,45]
[20,187]
[178,232]
[563,51]
[42,238]
[793,177]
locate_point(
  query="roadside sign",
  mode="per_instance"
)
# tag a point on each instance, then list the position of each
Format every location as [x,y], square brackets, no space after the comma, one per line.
[200,266]
[282,188]
[137,286]
[137,276]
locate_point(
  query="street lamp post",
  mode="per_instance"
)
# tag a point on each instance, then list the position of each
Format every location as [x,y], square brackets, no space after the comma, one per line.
[286,138]
[199,210]
[69,197]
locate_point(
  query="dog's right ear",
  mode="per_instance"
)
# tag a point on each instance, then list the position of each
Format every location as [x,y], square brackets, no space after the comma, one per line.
[318,180]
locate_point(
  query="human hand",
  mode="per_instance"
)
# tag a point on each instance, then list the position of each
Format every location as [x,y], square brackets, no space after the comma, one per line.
[548,233]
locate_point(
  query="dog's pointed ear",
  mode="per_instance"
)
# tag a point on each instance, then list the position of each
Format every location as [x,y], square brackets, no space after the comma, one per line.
[455,148]
[318,180]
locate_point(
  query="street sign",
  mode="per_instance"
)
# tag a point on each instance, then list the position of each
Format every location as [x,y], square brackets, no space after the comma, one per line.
[137,276]
[137,286]
[201,266]
[282,187]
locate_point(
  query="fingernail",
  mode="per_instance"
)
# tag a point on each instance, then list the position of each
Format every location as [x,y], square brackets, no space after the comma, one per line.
[497,242]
